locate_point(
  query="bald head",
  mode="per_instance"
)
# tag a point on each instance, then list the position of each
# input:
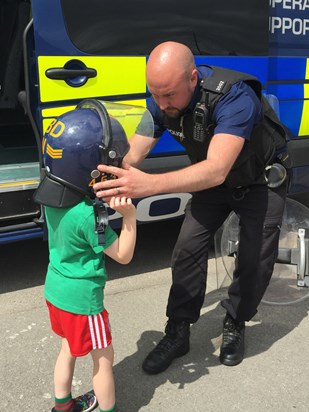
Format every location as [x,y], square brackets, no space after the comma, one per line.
[170,71]
[170,58]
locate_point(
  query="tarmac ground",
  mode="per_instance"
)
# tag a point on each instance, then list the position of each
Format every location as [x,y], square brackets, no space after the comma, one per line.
[273,377]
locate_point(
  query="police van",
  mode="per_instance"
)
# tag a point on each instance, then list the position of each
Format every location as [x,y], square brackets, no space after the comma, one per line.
[55,53]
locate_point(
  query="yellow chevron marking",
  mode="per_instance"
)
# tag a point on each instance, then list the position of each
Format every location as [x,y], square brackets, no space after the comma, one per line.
[54,153]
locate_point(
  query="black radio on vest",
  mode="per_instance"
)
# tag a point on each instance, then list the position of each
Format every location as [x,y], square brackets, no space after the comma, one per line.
[201,118]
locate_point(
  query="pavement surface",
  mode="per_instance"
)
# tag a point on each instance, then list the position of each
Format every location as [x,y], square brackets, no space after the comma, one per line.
[273,377]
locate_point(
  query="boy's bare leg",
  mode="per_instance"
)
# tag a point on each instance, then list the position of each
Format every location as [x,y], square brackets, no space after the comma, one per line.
[64,370]
[103,378]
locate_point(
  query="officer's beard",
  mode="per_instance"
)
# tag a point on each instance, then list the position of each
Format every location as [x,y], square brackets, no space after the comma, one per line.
[173,112]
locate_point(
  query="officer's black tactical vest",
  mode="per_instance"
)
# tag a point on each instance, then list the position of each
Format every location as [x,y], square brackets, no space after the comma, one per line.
[268,141]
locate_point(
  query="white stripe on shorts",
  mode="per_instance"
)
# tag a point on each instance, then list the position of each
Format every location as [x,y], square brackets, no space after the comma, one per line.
[97,330]
[103,331]
[96,325]
[92,333]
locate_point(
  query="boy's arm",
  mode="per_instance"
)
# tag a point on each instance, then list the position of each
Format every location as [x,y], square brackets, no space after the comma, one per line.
[122,249]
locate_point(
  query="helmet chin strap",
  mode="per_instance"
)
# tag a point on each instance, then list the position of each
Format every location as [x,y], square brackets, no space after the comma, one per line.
[100,210]
[101,219]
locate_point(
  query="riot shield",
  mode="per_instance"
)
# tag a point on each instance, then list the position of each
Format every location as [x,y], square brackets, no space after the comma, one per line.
[290,280]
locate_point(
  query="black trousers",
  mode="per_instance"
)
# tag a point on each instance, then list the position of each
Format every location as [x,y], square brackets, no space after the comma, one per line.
[260,212]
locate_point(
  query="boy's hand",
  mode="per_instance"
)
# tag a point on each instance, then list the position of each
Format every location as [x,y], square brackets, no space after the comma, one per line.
[122,205]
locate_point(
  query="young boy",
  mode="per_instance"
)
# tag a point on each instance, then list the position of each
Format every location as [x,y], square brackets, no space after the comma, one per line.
[76,275]
[74,292]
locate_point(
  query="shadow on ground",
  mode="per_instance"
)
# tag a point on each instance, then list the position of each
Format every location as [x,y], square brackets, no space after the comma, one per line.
[135,389]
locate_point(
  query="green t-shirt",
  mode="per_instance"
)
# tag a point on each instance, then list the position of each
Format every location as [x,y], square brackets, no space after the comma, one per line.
[76,273]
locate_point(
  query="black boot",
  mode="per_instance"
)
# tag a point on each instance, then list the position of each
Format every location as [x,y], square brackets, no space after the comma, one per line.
[174,344]
[233,343]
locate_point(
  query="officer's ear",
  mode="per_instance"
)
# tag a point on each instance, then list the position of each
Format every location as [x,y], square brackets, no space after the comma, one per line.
[194,77]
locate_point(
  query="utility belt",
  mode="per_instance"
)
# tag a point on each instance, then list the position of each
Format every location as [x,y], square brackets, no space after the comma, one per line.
[250,169]
[275,175]
[277,172]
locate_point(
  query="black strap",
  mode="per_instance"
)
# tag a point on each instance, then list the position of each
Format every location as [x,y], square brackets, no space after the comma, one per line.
[221,80]
[101,219]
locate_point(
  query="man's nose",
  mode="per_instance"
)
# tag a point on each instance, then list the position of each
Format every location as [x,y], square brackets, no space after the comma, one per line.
[162,103]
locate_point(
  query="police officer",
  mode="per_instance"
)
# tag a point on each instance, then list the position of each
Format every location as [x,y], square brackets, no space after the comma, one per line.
[174,83]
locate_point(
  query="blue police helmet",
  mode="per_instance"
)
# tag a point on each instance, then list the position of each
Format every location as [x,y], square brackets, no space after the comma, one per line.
[73,146]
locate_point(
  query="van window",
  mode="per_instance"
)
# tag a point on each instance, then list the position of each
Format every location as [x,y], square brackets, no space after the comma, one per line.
[122,27]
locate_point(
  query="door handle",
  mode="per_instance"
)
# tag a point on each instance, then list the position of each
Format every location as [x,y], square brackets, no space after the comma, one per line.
[61,73]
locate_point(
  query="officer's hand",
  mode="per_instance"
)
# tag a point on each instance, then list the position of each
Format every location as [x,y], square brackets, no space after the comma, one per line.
[130,183]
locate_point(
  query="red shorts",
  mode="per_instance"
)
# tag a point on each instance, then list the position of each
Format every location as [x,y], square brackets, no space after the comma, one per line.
[84,333]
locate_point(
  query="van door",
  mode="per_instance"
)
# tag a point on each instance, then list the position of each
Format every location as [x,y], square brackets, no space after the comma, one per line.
[19,165]
[99,49]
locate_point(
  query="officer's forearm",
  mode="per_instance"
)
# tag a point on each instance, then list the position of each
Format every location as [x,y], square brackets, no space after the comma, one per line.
[200,176]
